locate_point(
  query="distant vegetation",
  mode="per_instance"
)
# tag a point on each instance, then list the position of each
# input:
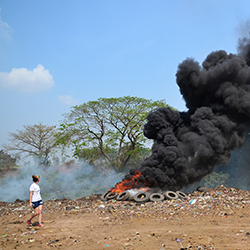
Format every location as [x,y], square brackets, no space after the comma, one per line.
[104,133]
[7,163]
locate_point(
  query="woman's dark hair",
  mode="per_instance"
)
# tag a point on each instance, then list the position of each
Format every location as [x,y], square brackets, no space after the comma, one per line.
[35,178]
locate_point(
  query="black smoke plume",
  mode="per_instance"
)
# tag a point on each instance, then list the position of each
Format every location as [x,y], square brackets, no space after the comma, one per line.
[188,145]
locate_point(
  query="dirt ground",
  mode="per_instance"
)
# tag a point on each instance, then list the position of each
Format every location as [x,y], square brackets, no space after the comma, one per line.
[216,219]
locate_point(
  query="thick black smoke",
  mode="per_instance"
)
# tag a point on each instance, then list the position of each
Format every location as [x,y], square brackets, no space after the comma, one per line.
[188,145]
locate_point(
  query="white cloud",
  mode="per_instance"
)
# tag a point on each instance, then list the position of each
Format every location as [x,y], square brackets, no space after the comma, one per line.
[5,29]
[24,80]
[68,100]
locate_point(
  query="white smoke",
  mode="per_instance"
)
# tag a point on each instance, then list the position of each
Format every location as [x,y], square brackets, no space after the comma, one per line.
[72,182]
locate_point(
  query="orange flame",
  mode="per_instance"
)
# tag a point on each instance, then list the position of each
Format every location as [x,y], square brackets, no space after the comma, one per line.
[130,183]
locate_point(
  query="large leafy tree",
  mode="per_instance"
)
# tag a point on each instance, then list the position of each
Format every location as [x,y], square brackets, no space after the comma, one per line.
[36,140]
[108,131]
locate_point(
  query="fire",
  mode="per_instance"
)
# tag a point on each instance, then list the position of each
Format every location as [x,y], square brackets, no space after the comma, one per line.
[144,189]
[133,182]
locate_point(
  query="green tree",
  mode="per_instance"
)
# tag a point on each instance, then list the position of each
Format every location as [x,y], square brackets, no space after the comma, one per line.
[7,163]
[37,141]
[215,180]
[108,131]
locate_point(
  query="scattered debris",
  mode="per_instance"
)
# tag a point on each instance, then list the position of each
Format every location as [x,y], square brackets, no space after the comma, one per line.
[221,203]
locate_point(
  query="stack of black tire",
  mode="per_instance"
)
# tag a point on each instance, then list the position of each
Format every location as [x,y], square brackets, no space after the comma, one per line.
[142,196]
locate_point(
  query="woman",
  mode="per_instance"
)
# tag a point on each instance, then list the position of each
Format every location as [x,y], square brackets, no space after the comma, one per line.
[36,200]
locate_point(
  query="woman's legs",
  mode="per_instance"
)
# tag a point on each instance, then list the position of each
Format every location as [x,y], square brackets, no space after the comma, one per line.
[35,214]
[38,211]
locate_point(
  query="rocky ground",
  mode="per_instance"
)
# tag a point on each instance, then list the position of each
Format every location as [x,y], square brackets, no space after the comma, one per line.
[215,219]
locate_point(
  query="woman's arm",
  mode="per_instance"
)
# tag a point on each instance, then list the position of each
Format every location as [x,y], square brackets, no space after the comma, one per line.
[31,193]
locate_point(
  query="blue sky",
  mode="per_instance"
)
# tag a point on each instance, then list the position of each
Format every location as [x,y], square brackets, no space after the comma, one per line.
[55,54]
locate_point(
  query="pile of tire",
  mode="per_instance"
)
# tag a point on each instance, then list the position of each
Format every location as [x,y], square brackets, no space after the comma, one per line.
[142,196]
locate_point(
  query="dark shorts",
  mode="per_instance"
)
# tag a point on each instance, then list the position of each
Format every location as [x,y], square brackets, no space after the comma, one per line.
[37,203]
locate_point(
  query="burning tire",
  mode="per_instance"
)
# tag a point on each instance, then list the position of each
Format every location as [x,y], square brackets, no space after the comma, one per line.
[170,195]
[104,196]
[181,195]
[123,196]
[141,197]
[111,195]
[156,197]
